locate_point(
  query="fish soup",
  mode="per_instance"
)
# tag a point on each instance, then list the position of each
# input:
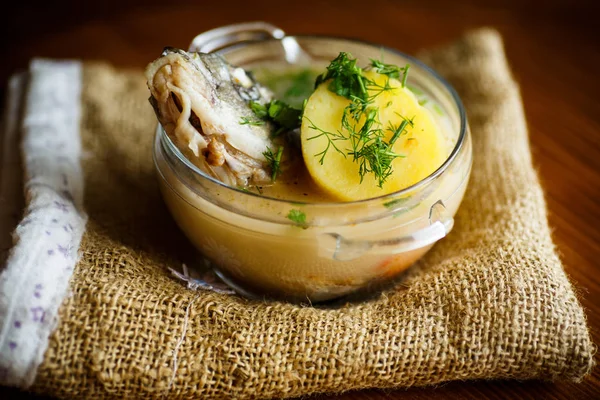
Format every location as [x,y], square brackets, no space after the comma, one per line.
[266,218]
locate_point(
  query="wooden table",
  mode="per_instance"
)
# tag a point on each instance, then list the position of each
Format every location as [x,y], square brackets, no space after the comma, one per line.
[554,50]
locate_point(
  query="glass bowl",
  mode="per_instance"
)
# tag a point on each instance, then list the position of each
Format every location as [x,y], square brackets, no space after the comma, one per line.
[343,247]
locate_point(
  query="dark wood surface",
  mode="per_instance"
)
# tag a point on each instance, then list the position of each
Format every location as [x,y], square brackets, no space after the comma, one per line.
[553,47]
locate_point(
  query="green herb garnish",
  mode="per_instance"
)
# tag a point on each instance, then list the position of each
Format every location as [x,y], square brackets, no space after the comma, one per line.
[347,78]
[395,202]
[292,87]
[331,138]
[284,116]
[274,160]
[260,110]
[248,121]
[299,217]
[302,85]
[360,118]
[397,131]
[415,90]
[405,76]
[399,202]
[404,210]
[391,70]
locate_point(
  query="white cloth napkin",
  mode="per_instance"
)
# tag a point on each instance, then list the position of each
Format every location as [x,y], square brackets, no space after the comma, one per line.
[35,279]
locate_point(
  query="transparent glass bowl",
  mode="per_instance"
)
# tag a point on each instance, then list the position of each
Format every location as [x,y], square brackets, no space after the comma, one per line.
[344,247]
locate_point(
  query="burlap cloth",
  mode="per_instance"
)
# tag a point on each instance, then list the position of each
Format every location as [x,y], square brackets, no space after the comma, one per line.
[490,301]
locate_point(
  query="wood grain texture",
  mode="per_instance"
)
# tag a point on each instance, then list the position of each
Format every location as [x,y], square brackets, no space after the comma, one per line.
[553,48]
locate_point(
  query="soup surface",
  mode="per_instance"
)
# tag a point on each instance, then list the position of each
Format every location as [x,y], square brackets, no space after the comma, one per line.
[294,86]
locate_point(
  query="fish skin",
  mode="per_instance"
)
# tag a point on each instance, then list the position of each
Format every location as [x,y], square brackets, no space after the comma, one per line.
[200,100]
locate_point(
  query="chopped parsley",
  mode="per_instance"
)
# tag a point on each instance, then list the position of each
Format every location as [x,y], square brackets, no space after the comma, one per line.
[284,116]
[299,217]
[260,110]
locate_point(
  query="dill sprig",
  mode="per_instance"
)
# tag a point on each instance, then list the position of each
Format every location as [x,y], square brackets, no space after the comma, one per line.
[376,157]
[346,77]
[331,137]
[391,70]
[252,122]
[409,121]
[360,118]
[372,153]
[405,76]
[397,131]
[274,160]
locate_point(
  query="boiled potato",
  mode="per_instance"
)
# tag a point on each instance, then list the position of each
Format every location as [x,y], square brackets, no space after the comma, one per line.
[422,145]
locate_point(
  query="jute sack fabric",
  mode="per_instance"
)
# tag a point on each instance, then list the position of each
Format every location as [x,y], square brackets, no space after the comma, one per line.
[490,301]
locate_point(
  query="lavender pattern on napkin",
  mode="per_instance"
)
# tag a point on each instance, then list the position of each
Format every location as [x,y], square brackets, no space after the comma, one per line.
[35,279]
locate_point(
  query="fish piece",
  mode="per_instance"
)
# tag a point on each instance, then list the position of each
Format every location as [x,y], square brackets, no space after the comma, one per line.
[203,103]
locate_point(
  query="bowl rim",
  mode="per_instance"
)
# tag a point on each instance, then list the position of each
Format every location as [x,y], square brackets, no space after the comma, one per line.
[460,143]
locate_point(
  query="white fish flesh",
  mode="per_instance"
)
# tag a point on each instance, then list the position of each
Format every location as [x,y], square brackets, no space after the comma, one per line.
[203,104]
